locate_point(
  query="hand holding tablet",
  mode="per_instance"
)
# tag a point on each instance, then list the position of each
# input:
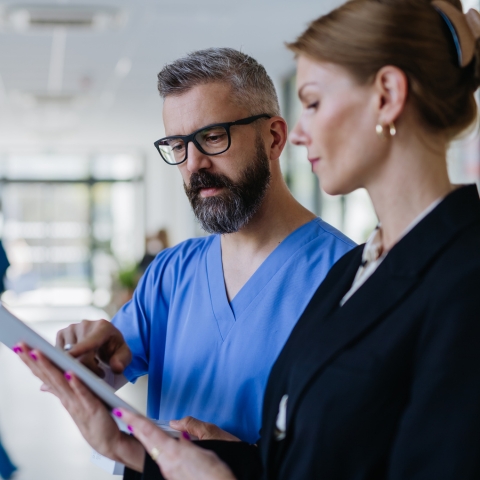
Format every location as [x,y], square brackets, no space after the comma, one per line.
[82,393]
[13,332]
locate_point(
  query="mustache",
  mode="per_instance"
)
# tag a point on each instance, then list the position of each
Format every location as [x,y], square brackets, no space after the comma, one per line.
[205,179]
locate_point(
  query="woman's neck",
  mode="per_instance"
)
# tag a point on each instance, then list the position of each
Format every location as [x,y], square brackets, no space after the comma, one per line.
[413,177]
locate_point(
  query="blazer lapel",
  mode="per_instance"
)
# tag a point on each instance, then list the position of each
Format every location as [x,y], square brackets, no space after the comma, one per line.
[361,313]
[328,295]
[326,299]
[336,328]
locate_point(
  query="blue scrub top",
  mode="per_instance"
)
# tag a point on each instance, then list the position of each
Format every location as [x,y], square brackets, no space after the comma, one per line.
[208,357]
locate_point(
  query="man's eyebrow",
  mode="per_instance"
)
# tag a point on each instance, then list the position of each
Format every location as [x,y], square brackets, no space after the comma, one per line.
[198,130]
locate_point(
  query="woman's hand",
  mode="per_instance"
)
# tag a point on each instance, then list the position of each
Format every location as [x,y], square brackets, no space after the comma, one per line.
[87,411]
[177,459]
[202,430]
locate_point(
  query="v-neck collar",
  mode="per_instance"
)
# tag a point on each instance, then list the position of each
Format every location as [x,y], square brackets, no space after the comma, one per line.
[227,313]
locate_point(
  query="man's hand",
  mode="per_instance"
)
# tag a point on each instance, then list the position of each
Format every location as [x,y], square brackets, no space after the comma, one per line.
[91,340]
[87,411]
[202,430]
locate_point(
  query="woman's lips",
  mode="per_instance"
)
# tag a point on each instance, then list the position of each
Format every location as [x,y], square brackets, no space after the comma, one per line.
[314,161]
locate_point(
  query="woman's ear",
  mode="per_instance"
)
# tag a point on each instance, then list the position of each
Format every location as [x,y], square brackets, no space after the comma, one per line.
[391,85]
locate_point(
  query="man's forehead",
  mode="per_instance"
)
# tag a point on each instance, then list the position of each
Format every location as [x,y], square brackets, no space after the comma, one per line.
[201,105]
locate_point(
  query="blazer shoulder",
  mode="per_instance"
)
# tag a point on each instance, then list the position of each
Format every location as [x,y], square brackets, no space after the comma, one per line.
[352,257]
[463,253]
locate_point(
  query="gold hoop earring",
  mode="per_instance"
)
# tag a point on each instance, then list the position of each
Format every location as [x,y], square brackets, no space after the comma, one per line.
[392,129]
[379,130]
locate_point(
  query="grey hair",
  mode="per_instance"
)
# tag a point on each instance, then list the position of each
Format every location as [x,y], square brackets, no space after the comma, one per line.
[251,86]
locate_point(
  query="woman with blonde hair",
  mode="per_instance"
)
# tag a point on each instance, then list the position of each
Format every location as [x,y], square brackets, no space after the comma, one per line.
[380,379]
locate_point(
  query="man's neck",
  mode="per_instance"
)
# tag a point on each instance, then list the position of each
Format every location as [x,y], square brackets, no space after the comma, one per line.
[244,251]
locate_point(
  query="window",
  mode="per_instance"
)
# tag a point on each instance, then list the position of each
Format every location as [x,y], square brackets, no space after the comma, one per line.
[68,222]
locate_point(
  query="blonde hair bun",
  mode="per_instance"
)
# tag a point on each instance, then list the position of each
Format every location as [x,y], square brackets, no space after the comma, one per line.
[365,35]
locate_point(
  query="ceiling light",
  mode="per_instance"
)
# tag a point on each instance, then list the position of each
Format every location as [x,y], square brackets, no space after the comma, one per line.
[46,100]
[24,17]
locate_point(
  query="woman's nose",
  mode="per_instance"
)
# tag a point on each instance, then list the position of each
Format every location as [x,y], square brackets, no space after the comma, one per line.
[298,136]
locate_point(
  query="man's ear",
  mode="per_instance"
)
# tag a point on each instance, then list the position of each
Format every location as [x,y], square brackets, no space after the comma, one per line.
[278,137]
[391,86]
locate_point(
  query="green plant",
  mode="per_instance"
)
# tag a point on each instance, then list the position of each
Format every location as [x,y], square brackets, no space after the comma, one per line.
[128,277]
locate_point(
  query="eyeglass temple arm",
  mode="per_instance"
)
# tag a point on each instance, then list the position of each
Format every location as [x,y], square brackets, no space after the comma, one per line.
[246,121]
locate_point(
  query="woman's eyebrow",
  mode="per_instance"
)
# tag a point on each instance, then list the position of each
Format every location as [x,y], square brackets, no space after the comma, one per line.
[300,90]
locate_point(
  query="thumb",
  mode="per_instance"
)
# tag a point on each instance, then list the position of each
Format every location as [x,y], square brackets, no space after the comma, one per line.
[191,425]
[120,359]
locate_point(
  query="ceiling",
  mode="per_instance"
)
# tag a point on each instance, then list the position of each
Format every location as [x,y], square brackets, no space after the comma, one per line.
[87,88]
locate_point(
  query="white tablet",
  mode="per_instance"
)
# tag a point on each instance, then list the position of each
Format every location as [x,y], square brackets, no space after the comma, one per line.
[14,331]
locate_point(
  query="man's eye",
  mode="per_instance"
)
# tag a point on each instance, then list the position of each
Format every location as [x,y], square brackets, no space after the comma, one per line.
[215,138]
[176,147]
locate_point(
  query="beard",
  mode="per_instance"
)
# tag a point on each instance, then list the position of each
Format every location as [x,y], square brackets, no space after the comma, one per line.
[233,208]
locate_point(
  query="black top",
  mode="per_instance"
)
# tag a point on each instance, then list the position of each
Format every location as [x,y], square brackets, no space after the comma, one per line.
[387,386]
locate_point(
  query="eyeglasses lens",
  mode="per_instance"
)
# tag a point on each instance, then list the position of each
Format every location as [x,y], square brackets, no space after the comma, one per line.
[213,140]
[172,150]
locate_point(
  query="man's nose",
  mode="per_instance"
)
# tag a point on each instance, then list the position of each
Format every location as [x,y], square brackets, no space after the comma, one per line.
[196,160]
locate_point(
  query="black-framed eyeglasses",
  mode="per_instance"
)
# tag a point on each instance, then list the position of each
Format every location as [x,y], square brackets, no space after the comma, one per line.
[210,140]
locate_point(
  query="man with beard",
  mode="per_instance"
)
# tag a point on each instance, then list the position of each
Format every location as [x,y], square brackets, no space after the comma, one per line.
[210,315]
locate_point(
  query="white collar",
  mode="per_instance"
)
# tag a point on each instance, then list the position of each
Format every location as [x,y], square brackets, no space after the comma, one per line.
[373,247]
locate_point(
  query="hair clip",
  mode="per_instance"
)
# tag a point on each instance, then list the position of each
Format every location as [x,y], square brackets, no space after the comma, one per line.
[456,40]
[465,29]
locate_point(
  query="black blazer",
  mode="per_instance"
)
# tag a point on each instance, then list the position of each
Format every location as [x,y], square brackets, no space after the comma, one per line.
[387,386]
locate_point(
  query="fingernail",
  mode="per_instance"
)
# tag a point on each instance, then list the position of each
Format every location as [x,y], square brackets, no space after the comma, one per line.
[33,356]
[130,428]
[186,436]
[68,376]
[117,412]
[173,422]
[17,349]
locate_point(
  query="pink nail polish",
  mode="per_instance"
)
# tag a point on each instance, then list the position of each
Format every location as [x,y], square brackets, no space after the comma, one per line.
[186,436]
[130,428]
[117,412]
[33,356]
[17,349]
[67,376]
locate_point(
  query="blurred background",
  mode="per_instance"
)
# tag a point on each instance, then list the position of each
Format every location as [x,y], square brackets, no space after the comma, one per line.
[86,201]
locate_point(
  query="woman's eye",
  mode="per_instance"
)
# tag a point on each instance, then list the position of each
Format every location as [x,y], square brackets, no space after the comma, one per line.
[313,105]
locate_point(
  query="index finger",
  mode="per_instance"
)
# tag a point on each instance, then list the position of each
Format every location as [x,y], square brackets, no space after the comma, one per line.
[66,336]
[90,336]
[45,370]
[87,345]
